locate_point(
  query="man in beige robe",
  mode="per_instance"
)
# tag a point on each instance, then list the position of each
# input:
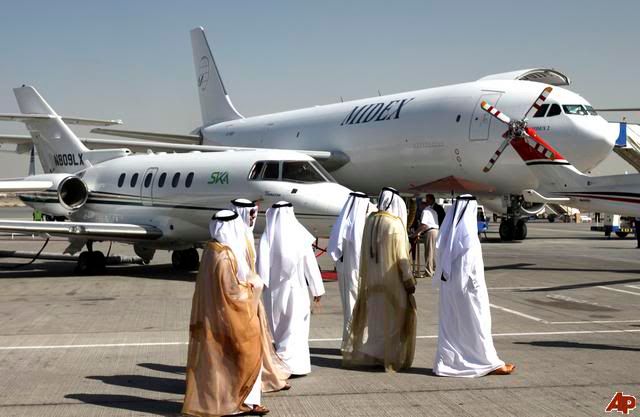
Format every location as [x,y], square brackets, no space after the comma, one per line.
[383,325]
[274,371]
[225,348]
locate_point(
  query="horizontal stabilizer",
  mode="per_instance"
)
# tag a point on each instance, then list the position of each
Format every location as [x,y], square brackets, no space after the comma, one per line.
[160,137]
[20,117]
[17,186]
[94,231]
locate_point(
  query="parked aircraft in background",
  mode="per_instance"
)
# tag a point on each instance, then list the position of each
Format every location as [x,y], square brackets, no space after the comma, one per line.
[155,201]
[408,140]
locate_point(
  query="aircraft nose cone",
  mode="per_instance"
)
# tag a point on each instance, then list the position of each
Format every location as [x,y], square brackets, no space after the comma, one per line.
[594,140]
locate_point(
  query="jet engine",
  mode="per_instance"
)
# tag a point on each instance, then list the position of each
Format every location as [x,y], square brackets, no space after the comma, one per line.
[513,205]
[67,194]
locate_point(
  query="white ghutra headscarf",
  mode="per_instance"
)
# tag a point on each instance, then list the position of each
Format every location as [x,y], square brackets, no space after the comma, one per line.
[227,228]
[243,207]
[283,243]
[349,225]
[391,202]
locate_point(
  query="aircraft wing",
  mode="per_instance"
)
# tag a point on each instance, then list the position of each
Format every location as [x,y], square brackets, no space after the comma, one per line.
[18,185]
[83,230]
[20,117]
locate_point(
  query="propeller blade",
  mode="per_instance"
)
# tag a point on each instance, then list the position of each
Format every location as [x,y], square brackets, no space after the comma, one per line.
[496,155]
[540,145]
[495,112]
[536,105]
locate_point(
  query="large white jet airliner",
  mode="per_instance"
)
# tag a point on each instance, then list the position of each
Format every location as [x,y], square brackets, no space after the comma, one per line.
[155,201]
[410,140]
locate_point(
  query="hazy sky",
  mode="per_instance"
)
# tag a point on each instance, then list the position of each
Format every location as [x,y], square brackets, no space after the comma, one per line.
[132,59]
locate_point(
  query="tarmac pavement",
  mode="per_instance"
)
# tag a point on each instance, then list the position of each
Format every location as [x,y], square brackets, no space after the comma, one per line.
[565,311]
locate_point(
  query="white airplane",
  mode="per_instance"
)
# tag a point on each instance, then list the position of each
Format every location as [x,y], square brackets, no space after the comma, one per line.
[409,140]
[155,201]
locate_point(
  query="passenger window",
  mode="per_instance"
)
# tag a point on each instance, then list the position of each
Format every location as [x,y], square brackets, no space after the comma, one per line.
[554,110]
[134,180]
[271,171]
[147,180]
[175,180]
[255,170]
[162,179]
[300,171]
[541,111]
[121,179]
[189,180]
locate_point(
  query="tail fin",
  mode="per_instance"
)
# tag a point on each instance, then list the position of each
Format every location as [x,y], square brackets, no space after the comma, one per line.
[553,171]
[215,103]
[58,147]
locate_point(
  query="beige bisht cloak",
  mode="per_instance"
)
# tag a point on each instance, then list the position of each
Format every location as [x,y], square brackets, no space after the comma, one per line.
[274,371]
[383,326]
[225,350]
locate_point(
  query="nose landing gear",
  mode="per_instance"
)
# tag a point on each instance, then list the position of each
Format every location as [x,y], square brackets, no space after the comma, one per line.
[185,260]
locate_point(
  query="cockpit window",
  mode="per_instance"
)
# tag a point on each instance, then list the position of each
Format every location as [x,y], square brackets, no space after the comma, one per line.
[323,171]
[576,109]
[591,110]
[301,171]
[256,170]
[554,110]
[271,171]
[541,111]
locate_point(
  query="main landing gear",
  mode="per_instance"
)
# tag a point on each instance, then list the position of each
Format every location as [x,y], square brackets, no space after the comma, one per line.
[513,229]
[185,260]
[90,261]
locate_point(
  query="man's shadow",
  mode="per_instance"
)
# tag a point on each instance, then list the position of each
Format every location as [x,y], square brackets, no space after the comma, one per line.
[132,403]
[336,363]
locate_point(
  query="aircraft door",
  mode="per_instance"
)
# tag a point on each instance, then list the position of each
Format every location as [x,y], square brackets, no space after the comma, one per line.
[146,186]
[480,119]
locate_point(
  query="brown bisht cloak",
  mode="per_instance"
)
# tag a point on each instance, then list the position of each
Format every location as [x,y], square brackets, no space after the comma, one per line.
[225,350]
[383,325]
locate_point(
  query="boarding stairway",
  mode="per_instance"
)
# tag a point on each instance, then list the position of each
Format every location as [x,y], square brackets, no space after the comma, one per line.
[557,209]
[628,144]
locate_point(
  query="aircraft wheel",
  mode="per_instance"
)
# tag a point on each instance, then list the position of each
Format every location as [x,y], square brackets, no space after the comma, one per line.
[621,235]
[521,230]
[192,259]
[84,263]
[98,261]
[507,231]
[177,260]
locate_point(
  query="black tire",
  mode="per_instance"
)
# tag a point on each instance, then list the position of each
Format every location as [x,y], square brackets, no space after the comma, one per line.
[98,261]
[192,259]
[83,266]
[507,231]
[621,235]
[177,260]
[551,218]
[521,230]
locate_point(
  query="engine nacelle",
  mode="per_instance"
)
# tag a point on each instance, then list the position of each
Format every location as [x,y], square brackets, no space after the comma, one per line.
[67,194]
[512,205]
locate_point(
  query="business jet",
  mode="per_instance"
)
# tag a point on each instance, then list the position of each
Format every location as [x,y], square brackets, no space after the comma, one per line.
[409,140]
[155,201]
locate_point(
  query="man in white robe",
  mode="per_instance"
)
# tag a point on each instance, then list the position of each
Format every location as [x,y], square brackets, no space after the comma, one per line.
[383,325]
[465,343]
[344,248]
[289,268]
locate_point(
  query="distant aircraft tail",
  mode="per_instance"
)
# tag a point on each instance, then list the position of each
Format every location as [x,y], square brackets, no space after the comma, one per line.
[215,103]
[59,149]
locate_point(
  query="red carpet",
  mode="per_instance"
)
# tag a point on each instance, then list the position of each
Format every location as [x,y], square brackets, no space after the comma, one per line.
[329,275]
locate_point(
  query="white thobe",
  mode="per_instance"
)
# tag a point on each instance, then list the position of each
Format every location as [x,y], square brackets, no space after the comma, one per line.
[288,311]
[465,344]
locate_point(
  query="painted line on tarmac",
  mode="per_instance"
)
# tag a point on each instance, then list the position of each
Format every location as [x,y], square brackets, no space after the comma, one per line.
[106,345]
[517,313]
[637,287]
[594,322]
[515,288]
[618,290]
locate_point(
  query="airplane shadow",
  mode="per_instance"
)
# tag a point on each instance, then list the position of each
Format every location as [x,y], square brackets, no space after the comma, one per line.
[151,383]
[131,403]
[172,369]
[577,345]
[59,269]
